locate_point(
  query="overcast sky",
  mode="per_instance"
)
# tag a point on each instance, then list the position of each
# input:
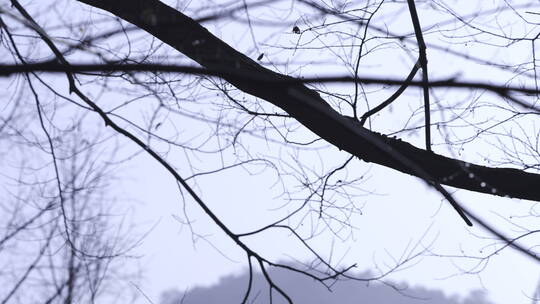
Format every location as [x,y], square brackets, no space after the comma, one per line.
[399,220]
[398,211]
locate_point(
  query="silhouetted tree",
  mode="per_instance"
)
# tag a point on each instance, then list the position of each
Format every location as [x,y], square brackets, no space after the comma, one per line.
[477,88]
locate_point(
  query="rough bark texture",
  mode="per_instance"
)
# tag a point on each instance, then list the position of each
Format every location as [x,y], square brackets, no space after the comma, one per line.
[306,106]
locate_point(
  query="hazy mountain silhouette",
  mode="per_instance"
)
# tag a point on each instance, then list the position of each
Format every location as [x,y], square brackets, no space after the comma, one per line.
[303,290]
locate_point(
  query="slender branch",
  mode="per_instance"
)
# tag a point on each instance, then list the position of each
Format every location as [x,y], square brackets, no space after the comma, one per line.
[250,281]
[257,78]
[394,96]
[424,63]
[273,285]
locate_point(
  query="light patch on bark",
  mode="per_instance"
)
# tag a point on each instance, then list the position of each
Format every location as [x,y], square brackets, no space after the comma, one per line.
[149,16]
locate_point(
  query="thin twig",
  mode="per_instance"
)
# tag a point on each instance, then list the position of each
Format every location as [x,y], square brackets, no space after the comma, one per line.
[423,63]
[394,96]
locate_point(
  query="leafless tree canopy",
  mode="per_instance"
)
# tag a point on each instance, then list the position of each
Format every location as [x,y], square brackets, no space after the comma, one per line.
[311,94]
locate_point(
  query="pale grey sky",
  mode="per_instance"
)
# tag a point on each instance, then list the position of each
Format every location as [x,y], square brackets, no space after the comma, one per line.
[398,215]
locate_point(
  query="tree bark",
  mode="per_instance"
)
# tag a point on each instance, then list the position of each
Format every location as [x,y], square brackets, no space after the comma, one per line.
[305,105]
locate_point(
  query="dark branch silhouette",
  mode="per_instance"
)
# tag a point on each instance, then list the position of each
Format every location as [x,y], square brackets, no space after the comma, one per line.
[307,106]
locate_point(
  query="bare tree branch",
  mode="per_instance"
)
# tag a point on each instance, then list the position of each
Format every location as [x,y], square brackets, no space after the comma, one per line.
[424,63]
[193,40]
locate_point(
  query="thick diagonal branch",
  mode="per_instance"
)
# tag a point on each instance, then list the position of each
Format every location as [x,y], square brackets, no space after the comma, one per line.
[306,106]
